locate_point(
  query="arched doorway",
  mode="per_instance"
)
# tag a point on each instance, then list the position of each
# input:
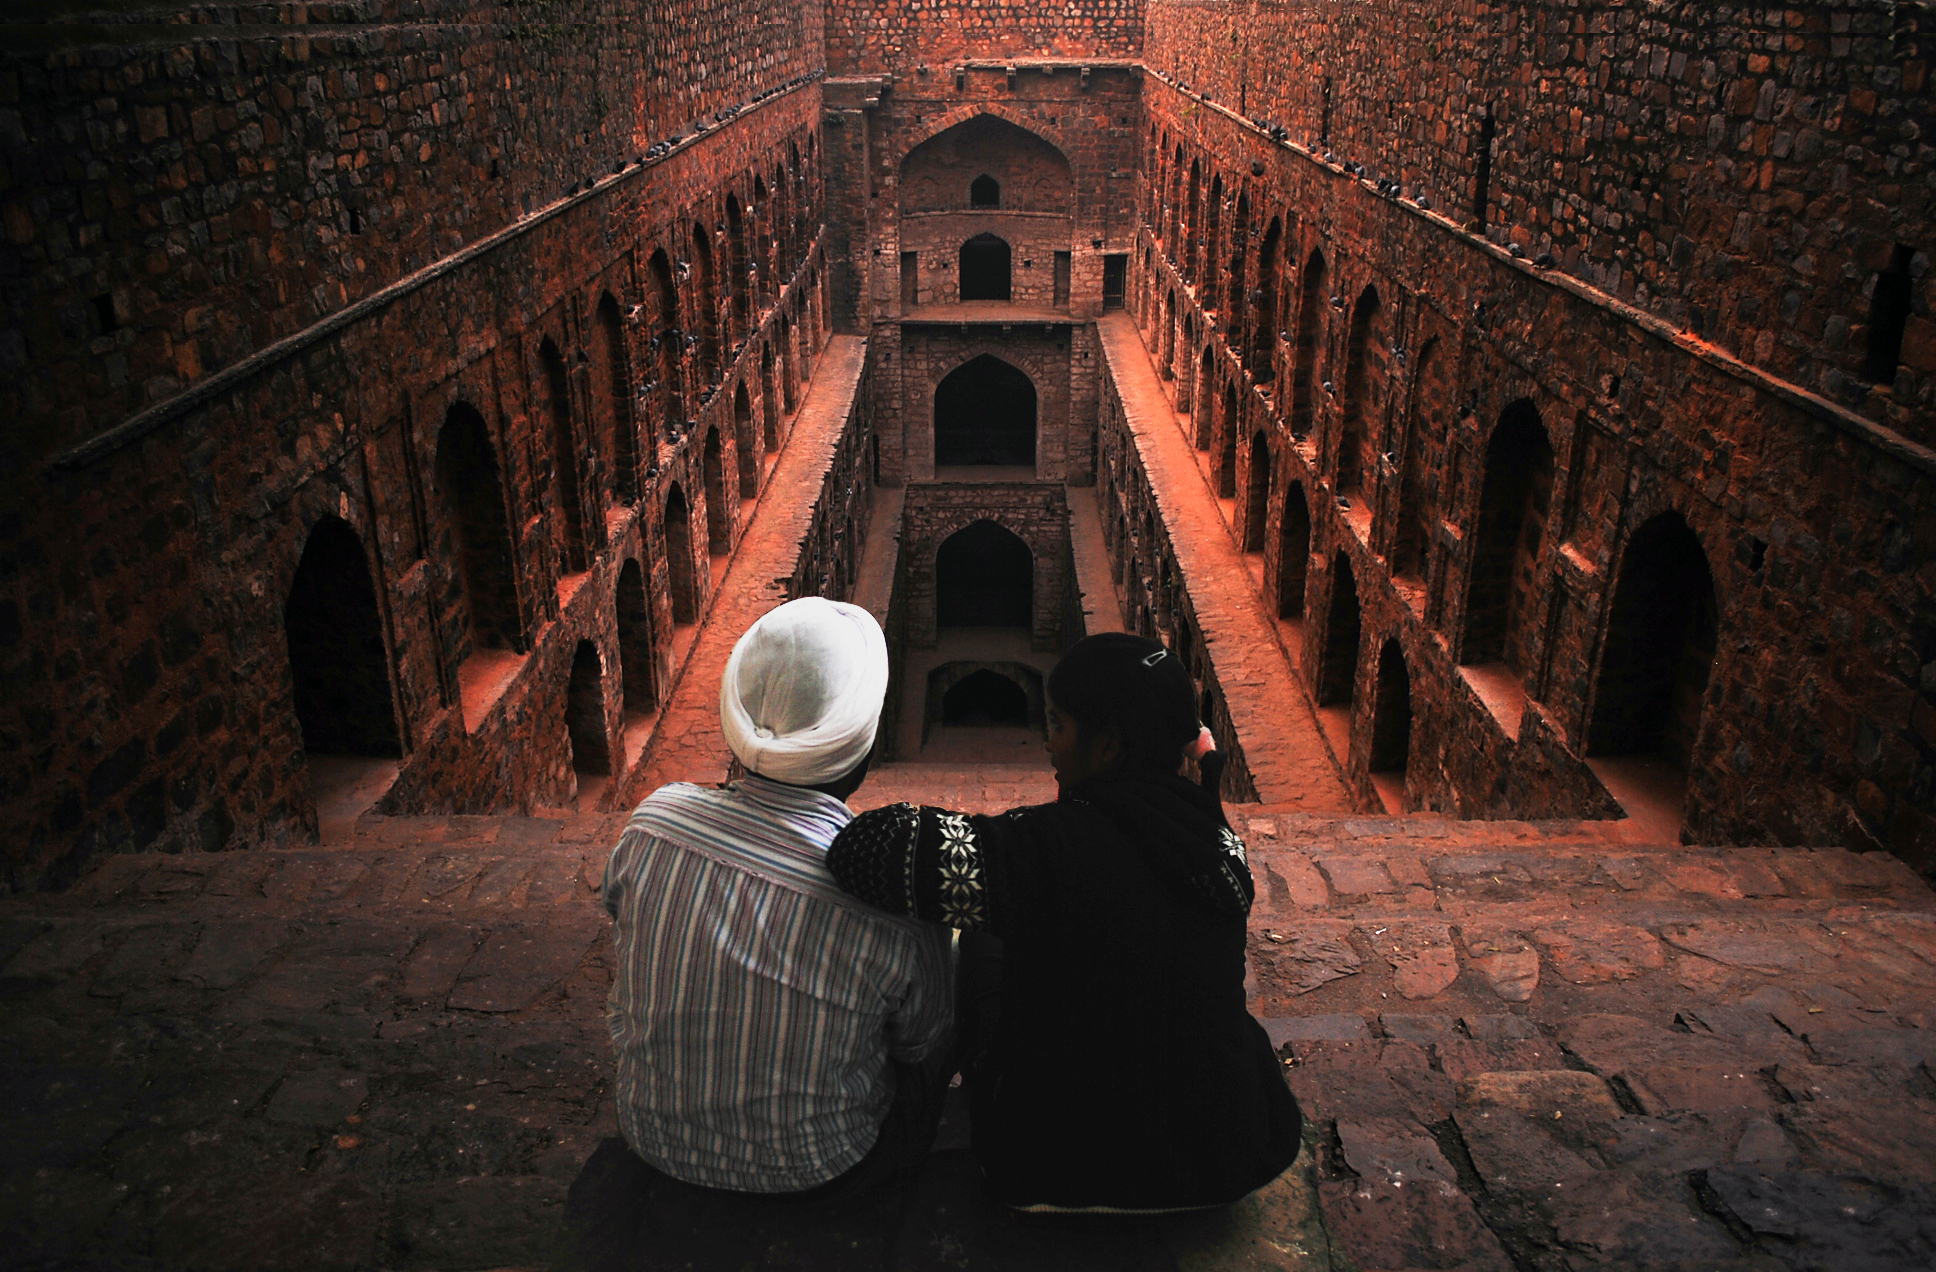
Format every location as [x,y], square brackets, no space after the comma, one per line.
[1504,588]
[677,528]
[574,556]
[1364,362]
[471,496]
[985,268]
[1391,717]
[585,712]
[984,413]
[984,698]
[1205,422]
[1305,351]
[337,663]
[667,340]
[1338,674]
[1257,504]
[984,576]
[702,270]
[719,527]
[769,400]
[1264,306]
[739,284]
[614,386]
[1227,451]
[1293,552]
[637,657]
[746,443]
[1659,651]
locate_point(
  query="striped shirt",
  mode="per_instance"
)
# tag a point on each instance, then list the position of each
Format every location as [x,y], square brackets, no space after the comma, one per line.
[756,1006]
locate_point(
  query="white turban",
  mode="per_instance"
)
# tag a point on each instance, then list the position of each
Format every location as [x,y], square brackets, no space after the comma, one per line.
[802,693]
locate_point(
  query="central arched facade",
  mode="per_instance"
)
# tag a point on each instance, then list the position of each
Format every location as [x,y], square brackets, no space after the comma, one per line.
[985,413]
[984,576]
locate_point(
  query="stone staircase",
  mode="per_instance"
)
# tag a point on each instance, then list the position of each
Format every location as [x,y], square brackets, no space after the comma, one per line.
[1518,1045]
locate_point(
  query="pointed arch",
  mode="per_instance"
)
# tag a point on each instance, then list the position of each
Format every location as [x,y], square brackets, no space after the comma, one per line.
[1228,427]
[638,655]
[719,524]
[985,268]
[612,380]
[1257,497]
[984,576]
[1663,629]
[1503,588]
[1263,316]
[1305,348]
[1411,541]
[739,283]
[1211,291]
[746,443]
[667,340]
[707,286]
[574,554]
[769,401]
[676,529]
[1363,366]
[333,630]
[985,413]
[585,726]
[1391,713]
[1293,551]
[1204,421]
[470,494]
[1338,671]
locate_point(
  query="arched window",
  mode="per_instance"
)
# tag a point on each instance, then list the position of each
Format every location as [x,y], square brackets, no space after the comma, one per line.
[1659,651]
[984,413]
[769,400]
[985,268]
[1338,673]
[1391,717]
[719,526]
[746,443]
[1205,420]
[591,750]
[739,283]
[984,192]
[1504,589]
[1293,552]
[984,576]
[1263,311]
[612,382]
[1364,365]
[1257,502]
[337,663]
[471,496]
[1232,423]
[677,528]
[637,654]
[573,554]
[668,340]
[1305,350]
[708,288]
[1239,257]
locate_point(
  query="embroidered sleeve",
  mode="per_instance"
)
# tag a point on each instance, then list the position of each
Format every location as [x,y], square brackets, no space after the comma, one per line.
[927,863]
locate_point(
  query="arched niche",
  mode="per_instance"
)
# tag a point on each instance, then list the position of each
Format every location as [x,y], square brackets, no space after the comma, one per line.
[984,576]
[986,268]
[1503,588]
[470,495]
[985,414]
[1030,173]
[591,751]
[337,663]
[1662,633]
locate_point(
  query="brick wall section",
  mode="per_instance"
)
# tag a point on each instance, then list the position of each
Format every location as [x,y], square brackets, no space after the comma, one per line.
[864,37]
[1745,173]
[1818,725]
[148,699]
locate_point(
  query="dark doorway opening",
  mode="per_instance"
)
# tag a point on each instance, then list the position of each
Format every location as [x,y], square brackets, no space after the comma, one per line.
[1293,552]
[984,576]
[1889,312]
[1257,504]
[1338,681]
[1661,639]
[1504,588]
[472,496]
[985,698]
[746,443]
[678,542]
[984,192]
[336,657]
[636,655]
[984,413]
[719,527]
[985,268]
[585,712]
[1115,280]
[1391,720]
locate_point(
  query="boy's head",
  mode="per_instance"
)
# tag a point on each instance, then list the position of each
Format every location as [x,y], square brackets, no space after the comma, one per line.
[801,697]
[1119,703]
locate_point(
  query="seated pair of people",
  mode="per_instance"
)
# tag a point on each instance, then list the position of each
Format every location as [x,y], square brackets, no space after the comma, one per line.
[785,1011]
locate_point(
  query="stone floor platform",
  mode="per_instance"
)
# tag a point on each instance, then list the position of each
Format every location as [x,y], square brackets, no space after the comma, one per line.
[1519,1046]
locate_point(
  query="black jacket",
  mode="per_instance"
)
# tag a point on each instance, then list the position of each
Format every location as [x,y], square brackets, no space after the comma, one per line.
[1125,1072]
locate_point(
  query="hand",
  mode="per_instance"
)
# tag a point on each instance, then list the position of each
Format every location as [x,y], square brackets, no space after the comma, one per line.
[1204,744]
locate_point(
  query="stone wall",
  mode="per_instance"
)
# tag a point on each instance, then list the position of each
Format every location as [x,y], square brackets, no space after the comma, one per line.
[1380,349]
[1748,175]
[864,37]
[1059,358]
[264,362]
[1035,513]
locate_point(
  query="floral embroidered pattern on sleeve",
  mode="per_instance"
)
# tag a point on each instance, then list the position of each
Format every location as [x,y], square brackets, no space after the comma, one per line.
[959,882]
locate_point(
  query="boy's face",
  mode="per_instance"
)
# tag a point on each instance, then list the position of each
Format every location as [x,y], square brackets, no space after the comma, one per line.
[1077,753]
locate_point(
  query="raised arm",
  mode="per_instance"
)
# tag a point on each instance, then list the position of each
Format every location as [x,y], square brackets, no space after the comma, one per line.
[926,863]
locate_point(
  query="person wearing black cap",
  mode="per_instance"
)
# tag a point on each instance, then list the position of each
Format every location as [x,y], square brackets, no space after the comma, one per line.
[1115,1069]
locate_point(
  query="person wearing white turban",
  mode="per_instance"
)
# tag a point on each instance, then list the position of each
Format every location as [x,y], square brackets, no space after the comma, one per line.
[773,1034]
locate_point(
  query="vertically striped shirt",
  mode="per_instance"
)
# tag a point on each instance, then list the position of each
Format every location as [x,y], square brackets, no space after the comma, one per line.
[756,1006]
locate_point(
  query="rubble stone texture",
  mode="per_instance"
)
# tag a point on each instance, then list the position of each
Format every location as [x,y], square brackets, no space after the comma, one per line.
[1519,417]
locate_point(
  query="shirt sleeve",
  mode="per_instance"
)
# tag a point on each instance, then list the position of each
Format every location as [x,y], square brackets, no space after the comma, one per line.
[925,863]
[922,1022]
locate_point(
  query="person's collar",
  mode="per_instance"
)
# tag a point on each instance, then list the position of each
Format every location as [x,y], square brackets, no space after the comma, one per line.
[793,799]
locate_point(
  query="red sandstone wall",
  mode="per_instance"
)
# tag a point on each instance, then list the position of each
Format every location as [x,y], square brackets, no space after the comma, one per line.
[1815,523]
[204,186]
[1743,173]
[866,38]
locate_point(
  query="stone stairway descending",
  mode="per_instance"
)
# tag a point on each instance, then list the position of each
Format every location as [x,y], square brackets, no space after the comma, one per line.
[1517,1045]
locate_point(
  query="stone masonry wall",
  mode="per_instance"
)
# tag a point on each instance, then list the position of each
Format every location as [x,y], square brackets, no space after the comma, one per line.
[162,499]
[866,37]
[1036,514]
[1378,348]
